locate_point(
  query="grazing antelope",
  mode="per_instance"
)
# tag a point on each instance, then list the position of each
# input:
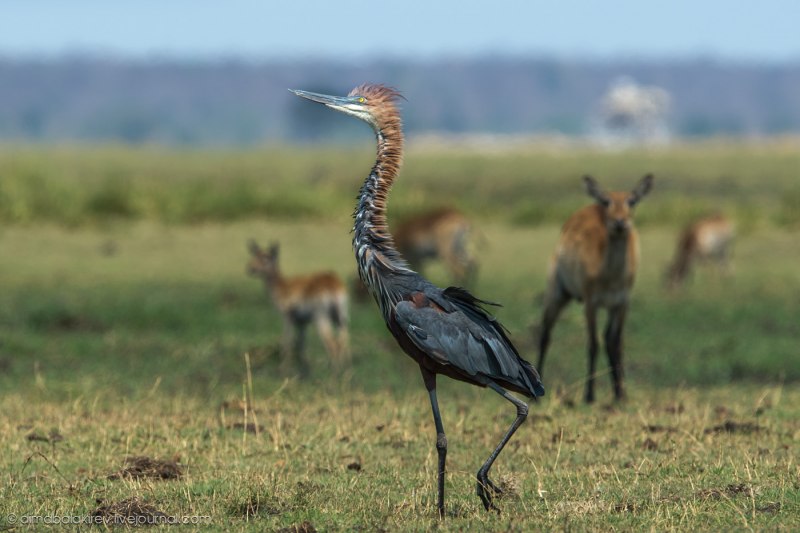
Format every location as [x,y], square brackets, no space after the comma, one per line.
[442,234]
[706,239]
[595,263]
[320,298]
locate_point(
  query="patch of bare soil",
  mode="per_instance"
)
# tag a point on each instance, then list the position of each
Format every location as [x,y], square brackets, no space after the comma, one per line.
[250,427]
[675,409]
[52,437]
[65,320]
[650,444]
[238,405]
[732,490]
[141,466]
[130,512]
[731,426]
[769,508]
[305,527]
[655,428]
[255,505]
[509,486]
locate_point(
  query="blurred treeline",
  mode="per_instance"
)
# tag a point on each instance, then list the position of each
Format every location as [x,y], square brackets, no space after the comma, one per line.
[526,185]
[236,102]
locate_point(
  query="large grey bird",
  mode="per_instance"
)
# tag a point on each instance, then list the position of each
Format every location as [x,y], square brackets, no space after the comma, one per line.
[446,331]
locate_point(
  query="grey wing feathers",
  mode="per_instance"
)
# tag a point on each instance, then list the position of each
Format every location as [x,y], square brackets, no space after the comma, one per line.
[469,340]
[447,337]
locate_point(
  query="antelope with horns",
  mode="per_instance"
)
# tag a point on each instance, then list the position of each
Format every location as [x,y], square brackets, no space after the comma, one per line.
[707,239]
[320,298]
[595,263]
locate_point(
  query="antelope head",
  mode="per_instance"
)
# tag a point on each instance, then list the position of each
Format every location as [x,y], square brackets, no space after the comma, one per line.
[618,206]
[263,261]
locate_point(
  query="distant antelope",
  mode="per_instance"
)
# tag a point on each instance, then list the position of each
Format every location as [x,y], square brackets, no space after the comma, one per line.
[442,234]
[320,298]
[706,239]
[595,263]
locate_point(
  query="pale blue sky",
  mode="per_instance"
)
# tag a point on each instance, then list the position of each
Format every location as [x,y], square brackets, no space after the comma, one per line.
[765,30]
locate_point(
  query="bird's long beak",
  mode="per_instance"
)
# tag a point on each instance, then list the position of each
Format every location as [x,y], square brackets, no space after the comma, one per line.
[330,101]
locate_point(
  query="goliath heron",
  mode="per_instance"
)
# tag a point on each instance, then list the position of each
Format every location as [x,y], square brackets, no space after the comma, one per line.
[446,331]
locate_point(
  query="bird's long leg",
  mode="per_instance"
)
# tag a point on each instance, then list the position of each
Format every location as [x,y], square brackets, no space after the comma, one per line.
[487,489]
[441,439]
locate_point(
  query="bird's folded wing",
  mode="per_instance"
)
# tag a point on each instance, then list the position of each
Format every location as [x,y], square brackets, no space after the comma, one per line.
[452,338]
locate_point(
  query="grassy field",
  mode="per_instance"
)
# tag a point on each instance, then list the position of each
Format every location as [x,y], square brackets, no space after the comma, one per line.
[528,186]
[126,336]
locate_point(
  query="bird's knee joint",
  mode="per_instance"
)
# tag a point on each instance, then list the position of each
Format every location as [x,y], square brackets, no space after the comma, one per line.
[441,442]
[522,410]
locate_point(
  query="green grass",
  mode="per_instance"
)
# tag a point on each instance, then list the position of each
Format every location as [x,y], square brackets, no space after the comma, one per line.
[126,316]
[128,339]
[85,185]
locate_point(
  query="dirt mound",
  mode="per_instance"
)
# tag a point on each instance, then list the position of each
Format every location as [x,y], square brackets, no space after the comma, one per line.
[131,511]
[141,466]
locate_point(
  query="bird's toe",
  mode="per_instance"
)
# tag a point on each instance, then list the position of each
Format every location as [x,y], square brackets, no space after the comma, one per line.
[486,492]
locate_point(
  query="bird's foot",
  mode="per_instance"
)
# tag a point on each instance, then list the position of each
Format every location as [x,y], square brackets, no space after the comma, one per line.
[487,492]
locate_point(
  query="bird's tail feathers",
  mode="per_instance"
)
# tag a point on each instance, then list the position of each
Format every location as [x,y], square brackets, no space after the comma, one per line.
[462,294]
[536,383]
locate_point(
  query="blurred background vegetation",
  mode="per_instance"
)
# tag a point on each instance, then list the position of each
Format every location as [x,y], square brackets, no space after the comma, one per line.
[236,102]
[529,185]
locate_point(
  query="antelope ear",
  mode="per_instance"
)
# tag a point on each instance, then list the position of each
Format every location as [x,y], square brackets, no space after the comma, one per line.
[593,190]
[252,245]
[641,190]
[274,249]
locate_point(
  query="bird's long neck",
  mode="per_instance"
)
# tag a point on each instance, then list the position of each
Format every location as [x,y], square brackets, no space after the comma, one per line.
[372,242]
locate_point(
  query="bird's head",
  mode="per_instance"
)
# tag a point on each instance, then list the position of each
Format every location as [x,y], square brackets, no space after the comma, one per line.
[374,104]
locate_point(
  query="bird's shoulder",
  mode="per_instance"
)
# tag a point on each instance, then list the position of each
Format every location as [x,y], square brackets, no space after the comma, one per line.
[429,311]
[452,327]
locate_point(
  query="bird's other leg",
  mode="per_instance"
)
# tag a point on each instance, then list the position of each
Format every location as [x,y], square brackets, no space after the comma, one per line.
[613,338]
[487,489]
[591,332]
[441,439]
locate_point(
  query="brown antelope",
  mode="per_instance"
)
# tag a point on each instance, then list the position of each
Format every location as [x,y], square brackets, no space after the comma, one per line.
[442,234]
[709,238]
[320,298]
[595,263]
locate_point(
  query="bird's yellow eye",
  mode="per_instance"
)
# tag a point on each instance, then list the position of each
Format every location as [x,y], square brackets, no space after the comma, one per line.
[361,99]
